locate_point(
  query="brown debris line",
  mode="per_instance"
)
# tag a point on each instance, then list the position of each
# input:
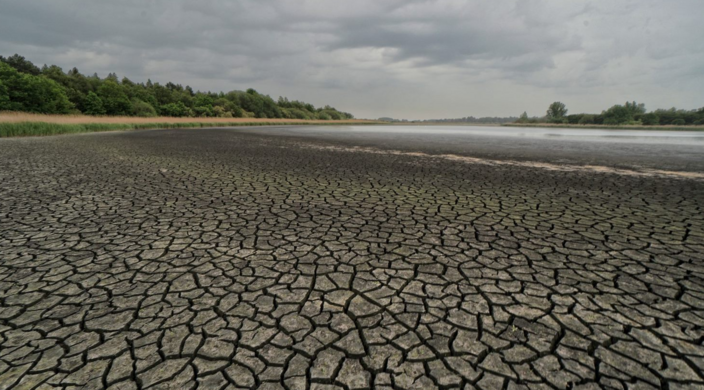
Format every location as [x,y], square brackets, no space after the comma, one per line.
[17,117]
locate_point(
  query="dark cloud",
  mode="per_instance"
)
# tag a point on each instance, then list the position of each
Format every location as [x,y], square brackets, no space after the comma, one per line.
[418,58]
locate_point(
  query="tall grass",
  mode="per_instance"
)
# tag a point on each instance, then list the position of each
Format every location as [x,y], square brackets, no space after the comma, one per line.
[7,116]
[25,129]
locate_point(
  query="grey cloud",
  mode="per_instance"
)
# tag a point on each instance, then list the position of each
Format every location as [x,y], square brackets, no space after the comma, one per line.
[419,58]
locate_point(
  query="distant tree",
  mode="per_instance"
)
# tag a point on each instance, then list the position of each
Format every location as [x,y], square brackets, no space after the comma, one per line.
[45,96]
[635,108]
[651,119]
[586,119]
[574,118]
[667,116]
[30,93]
[220,112]
[202,100]
[114,98]
[556,112]
[175,109]
[523,118]
[679,122]
[618,115]
[142,109]
[93,105]
[113,77]
[4,98]
[203,111]
[127,82]
[21,64]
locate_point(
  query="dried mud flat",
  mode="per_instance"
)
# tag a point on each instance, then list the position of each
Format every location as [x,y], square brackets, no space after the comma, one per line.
[217,259]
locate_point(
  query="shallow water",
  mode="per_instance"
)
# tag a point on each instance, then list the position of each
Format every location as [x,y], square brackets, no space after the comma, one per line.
[465,132]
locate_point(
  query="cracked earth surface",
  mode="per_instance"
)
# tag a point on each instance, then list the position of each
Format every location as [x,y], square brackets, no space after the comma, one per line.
[215,259]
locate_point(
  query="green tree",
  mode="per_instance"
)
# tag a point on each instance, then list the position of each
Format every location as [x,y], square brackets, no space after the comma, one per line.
[45,96]
[523,118]
[114,98]
[202,100]
[4,98]
[618,115]
[30,93]
[635,108]
[21,64]
[143,109]
[586,119]
[651,119]
[556,112]
[175,109]
[46,92]
[93,105]
[574,118]
[220,112]
[203,111]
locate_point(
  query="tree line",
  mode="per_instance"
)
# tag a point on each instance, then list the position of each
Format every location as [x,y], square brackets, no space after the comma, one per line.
[630,113]
[49,90]
[473,120]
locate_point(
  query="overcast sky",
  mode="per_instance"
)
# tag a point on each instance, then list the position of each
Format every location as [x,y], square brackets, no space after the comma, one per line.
[412,59]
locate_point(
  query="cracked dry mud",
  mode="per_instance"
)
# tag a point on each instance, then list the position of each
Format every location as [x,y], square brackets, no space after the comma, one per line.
[215,259]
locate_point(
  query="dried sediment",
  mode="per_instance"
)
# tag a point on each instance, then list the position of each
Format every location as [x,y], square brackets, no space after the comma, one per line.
[170,259]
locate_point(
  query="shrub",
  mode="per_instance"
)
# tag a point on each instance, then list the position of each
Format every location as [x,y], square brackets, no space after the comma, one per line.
[679,122]
[143,109]
[220,112]
[574,118]
[175,109]
[203,111]
[617,115]
[586,119]
[651,119]
[296,113]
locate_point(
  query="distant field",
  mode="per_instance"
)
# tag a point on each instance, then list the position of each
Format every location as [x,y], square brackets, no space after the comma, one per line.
[25,124]
[625,127]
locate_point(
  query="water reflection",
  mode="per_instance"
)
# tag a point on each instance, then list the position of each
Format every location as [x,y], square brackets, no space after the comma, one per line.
[590,135]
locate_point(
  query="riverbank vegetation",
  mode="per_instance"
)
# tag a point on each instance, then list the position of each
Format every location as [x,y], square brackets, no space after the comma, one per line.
[470,120]
[631,114]
[49,90]
[23,124]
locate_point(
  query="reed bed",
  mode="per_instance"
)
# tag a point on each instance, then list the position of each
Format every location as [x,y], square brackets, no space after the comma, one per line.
[15,117]
[25,124]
